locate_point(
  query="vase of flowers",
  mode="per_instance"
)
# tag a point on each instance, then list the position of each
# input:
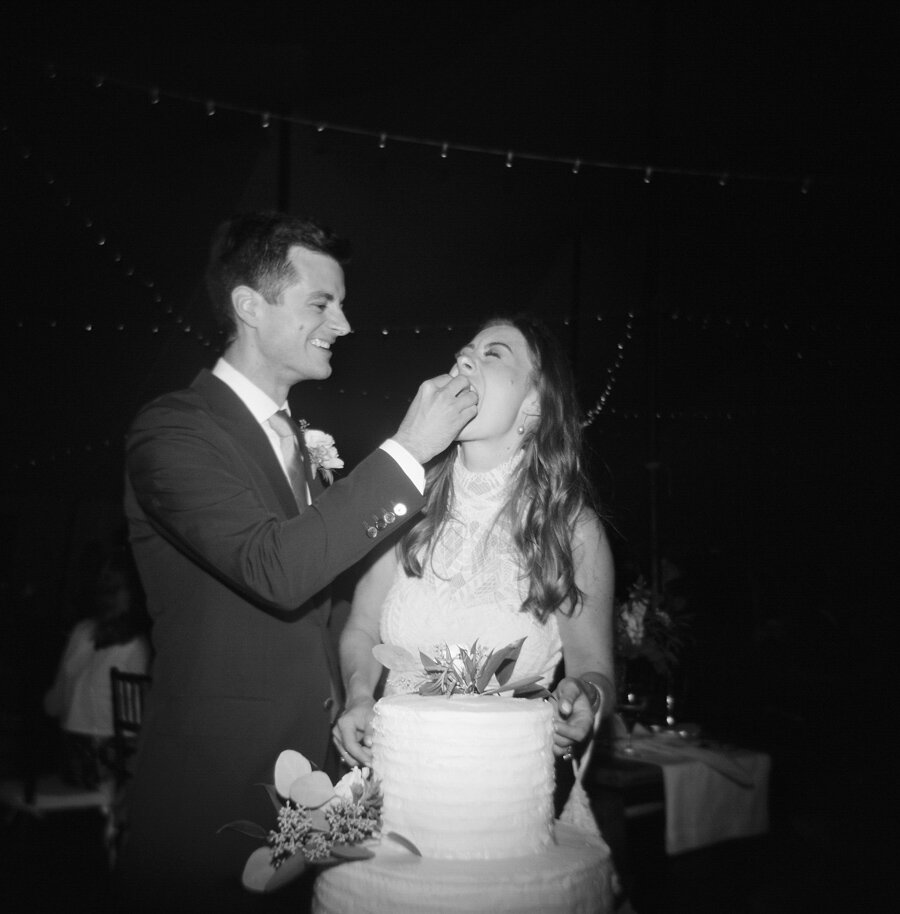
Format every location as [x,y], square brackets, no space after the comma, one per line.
[649,639]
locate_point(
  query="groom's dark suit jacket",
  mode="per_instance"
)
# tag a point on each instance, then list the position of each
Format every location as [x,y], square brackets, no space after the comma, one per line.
[234,578]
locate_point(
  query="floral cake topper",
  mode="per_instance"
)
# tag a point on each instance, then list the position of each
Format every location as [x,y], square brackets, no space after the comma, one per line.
[463,671]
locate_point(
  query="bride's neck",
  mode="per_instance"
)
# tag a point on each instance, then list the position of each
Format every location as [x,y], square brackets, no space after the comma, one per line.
[481,456]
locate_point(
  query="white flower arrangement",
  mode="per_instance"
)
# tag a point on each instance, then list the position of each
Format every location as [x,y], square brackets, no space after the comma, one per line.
[318,823]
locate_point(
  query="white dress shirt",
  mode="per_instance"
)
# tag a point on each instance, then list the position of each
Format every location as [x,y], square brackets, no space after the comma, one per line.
[262,407]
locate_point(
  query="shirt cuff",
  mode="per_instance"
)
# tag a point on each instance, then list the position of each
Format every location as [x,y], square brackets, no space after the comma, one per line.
[407,463]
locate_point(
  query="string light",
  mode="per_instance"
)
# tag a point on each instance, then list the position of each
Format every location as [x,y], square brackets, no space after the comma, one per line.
[575,165]
[101,240]
[600,405]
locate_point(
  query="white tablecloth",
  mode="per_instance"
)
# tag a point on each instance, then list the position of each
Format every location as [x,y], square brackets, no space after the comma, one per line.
[711,794]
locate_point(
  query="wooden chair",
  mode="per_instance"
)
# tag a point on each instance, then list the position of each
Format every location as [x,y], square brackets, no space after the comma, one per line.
[128,693]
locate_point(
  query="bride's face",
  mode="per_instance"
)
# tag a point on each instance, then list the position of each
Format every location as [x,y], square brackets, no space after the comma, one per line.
[498,365]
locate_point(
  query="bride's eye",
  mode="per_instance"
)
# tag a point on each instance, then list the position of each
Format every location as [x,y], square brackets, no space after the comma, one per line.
[491,352]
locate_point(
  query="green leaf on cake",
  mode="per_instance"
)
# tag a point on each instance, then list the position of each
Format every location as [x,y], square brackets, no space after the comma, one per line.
[351,852]
[405,842]
[395,658]
[272,791]
[500,663]
[312,790]
[289,870]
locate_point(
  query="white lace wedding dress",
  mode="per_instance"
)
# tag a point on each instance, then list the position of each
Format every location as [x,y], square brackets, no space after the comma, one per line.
[472,590]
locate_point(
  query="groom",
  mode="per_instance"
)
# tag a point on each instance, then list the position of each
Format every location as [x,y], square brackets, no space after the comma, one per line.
[237,541]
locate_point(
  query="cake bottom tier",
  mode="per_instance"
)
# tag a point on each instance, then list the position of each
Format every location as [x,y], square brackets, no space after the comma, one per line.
[573,876]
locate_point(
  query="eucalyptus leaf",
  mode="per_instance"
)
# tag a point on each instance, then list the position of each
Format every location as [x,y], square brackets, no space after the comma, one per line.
[289,766]
[404,841]
[317,819]
[245,827]
[258,870]
[395,658]
[351,851]
[288,871]
[277,801]
[312,790]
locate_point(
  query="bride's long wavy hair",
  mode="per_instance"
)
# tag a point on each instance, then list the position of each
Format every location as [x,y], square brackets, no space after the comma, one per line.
[549,491]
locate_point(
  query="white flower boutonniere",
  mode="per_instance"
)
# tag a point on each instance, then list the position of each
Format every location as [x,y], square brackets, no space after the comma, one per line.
[322,453]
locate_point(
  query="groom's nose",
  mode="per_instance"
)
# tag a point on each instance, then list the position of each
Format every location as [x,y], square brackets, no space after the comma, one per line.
[339,324]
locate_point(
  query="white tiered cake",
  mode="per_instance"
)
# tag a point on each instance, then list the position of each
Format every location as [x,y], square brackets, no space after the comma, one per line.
[469,781]
[466,777]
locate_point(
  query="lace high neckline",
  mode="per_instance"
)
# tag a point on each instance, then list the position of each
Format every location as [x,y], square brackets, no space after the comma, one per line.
[490,484]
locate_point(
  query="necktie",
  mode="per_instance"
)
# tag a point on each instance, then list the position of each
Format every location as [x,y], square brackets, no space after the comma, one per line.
[290,450]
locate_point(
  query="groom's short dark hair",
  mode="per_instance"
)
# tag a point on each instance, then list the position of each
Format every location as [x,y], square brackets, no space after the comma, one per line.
[251,249]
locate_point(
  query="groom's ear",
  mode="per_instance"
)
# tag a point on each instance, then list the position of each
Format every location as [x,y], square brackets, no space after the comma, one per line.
[246,304]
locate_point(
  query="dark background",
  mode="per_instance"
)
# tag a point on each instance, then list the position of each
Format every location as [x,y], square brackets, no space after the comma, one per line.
[731,319]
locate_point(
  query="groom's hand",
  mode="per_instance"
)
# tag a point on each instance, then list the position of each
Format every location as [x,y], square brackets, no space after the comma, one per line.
[443,405]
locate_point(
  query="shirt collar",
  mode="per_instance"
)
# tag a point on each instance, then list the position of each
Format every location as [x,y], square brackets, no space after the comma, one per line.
[260,404]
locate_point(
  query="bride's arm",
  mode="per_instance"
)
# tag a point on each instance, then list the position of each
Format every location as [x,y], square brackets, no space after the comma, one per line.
[587,638]
[360,670]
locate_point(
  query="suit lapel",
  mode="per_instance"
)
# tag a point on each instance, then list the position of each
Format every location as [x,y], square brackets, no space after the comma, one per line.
[231,413]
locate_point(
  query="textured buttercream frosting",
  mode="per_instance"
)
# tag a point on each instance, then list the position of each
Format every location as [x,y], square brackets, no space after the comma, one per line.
[466,777]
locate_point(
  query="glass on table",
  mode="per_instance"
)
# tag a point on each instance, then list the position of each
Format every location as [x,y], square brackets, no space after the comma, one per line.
[629,708]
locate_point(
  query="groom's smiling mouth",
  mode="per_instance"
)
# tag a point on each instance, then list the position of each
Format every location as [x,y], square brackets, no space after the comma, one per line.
[320,344]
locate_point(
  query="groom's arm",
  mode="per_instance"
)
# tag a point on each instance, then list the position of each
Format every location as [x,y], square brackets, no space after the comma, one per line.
[196,487]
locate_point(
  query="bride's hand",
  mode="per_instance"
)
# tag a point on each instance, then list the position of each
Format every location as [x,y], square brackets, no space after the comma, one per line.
[573,716]
[352,732]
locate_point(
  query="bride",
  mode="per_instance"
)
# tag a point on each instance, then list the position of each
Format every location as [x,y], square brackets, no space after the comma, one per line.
[508,545]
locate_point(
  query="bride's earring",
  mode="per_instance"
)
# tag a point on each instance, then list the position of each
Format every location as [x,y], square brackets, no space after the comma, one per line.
[521,429]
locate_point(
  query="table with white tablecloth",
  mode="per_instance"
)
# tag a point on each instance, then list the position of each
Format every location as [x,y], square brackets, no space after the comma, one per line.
[691,793]
[711,793]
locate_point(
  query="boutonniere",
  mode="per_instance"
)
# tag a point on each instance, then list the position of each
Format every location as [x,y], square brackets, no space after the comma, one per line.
[322,453]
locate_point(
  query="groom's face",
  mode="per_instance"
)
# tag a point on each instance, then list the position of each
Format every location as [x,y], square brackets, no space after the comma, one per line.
[296,333]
